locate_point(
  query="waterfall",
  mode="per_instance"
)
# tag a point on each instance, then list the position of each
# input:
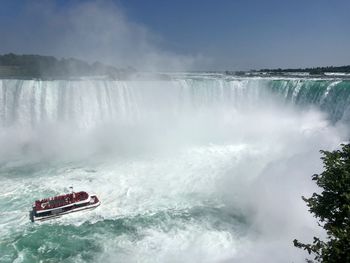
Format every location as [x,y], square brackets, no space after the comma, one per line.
[88,102]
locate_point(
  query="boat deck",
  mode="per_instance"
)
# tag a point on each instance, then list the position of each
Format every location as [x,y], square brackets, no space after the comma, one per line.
[60,201]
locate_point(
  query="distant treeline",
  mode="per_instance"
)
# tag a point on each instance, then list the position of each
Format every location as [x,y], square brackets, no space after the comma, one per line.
[36,66]
[312,71]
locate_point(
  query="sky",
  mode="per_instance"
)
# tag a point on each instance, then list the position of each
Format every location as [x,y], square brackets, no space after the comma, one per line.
[183,34]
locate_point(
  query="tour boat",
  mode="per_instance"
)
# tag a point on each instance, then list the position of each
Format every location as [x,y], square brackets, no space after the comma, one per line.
[54,207]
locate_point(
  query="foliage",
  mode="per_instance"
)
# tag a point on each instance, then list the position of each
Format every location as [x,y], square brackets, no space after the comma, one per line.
[50,67]
[332,208]
[312,71]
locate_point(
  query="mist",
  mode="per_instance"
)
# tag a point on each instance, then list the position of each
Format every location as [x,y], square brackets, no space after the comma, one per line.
[217,172]
[92,31]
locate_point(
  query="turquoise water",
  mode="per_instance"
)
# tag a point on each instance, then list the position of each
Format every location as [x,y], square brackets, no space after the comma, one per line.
[196,169]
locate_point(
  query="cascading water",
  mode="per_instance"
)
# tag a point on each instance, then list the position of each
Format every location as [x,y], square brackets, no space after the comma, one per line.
[201,168]
[87,102]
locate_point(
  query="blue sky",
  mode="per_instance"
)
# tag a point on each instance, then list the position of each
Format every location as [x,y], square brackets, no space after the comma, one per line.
[203,35]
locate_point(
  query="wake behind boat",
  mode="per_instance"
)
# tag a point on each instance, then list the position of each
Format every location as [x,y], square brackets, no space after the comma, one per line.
[54,207]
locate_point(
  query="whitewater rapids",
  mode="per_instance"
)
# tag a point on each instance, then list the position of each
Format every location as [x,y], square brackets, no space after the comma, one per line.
[199,168]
